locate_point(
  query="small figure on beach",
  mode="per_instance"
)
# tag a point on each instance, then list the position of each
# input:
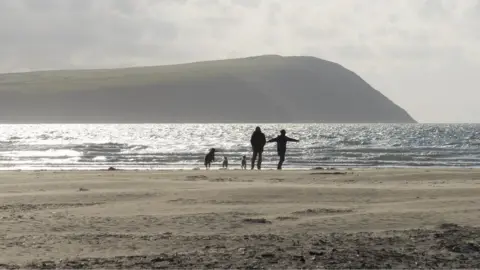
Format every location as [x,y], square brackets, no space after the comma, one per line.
[258,142]
[225,162]
[244,162]
[281,141]
[209,158]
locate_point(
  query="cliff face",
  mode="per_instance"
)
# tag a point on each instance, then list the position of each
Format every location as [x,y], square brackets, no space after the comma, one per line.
[256,89]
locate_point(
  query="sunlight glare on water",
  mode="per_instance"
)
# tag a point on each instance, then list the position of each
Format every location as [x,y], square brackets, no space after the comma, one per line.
[183,146]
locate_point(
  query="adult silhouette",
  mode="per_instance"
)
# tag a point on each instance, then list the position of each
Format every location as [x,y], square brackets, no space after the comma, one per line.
[281,141]
[258,141]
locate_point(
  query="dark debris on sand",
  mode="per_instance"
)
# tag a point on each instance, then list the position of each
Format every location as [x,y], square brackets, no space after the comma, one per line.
[449,246]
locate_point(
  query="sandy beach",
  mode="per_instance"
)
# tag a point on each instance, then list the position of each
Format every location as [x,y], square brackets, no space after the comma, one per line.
[369,218]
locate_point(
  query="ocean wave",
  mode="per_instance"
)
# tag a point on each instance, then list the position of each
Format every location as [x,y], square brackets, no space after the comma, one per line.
[50,153]
[354,142]
[184,146]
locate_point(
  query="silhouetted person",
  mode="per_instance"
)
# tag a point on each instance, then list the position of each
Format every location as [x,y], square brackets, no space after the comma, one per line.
[225,163]
[258,141]
[244,163]
[282,146]
[209,158]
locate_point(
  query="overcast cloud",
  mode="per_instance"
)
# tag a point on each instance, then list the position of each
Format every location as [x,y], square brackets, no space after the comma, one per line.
[422,54]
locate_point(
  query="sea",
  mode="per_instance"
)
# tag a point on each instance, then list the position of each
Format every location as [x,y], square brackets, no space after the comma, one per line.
[183,146]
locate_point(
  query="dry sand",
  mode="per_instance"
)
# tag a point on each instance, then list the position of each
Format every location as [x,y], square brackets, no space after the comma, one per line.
[241,219]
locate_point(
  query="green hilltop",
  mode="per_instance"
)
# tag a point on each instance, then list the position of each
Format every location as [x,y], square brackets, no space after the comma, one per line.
[266,88]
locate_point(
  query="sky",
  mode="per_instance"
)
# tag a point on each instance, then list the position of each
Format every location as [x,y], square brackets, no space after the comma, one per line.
[422,54]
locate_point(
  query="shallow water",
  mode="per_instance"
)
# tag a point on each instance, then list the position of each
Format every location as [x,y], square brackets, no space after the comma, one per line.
[183,146]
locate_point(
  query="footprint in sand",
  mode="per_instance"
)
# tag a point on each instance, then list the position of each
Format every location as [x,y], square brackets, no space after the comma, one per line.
[257,221]
[322,211]
[196,177]
[183,201]
[235,179]
[36,207]
[285,218]
[222,180]
[333,173]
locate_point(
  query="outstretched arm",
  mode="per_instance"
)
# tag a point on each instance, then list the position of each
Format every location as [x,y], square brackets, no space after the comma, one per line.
[292,140]
[272,140]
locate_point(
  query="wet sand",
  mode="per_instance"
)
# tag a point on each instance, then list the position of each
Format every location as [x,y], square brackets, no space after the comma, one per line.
[385,218]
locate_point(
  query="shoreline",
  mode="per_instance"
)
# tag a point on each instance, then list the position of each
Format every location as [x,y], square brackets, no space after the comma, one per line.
[297,169]
[368,218]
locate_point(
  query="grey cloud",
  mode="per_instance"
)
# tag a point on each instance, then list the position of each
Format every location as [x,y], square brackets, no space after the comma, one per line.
[51,35]
[358,52]
[385,38]
[247,3]
[433,9]
[426,53]
[123,29]
[273,10]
